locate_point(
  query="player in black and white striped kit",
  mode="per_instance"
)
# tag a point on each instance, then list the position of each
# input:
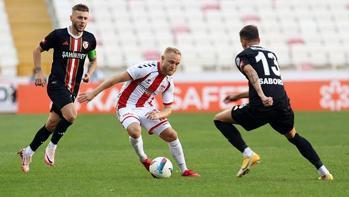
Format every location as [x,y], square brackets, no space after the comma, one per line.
[268,104]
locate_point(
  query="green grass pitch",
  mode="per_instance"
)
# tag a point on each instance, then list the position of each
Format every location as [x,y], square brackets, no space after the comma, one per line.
[94,158]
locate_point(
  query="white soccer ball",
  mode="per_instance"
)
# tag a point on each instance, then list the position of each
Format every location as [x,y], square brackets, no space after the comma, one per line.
[161,167]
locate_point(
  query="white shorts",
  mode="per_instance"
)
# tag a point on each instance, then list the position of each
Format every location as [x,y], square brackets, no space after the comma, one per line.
[128,115]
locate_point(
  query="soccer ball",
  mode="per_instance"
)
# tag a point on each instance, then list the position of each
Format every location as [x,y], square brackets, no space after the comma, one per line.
[161,167]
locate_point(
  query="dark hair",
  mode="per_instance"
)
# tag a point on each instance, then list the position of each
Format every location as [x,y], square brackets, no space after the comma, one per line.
[80,7]
[249,32]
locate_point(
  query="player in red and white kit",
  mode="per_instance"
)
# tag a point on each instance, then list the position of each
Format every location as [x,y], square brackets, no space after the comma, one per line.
[135,106]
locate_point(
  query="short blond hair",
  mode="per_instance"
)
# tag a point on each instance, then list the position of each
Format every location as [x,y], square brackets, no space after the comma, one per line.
[172,49]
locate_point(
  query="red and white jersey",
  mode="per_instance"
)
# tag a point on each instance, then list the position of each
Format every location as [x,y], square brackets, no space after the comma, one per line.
[146,83]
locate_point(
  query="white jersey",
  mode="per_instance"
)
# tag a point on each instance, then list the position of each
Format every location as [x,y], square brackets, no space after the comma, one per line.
[146,83]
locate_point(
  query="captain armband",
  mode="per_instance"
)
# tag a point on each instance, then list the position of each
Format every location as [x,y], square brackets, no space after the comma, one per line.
[92,55]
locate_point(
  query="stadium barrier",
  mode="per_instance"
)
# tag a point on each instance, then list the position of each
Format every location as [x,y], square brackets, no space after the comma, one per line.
[317,95]
[7,97]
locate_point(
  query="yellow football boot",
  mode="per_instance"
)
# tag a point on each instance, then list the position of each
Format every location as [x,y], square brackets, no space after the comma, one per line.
[247,163]
[327,177]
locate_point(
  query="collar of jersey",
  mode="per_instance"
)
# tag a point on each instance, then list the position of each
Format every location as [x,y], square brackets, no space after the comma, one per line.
[72,35]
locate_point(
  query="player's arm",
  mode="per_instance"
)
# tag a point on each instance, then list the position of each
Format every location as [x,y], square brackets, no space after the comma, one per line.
[164,113]
[87,96]
[38,73]
[254,80]
[91,67]
[235,97]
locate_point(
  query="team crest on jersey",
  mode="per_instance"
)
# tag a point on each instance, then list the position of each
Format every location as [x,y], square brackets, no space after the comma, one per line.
[85,44]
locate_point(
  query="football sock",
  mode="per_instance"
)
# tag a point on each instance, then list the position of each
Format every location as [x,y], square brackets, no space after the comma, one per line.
[52,145]
[29,151]
[305,148]
[40,137]
[247,152]
[232,134]
[61,127]
[137,144]
[177,153]
[323,170]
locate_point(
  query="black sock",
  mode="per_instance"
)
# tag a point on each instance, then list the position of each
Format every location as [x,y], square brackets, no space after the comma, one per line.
[232,134]
[305,148]
[61,127]
[40,137]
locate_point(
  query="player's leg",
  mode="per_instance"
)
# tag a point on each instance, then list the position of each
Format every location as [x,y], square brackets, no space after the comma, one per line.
[68,114]
[224,122]
[131,122]
[41,136]
[307,150]
[134,131]
[169,135]
[284,124]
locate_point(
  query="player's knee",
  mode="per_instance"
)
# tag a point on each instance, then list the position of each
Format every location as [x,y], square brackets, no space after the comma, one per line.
[50,126]
[169,135]
[71,118]
[224,116]
[134,131]
[172,136]
[217,117]
[291,134]
[134,134]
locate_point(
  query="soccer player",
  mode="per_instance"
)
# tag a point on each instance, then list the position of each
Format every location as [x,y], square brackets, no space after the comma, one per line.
[268,103]
[135,107]
[71,46]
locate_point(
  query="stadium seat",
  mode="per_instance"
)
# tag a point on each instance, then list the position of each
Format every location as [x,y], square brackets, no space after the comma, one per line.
[8,53]
[290,28]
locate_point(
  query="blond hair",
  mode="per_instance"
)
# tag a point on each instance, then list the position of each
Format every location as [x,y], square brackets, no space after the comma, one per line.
[172,49]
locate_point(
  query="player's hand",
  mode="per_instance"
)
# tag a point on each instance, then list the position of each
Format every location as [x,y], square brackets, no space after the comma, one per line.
[85,97]
[230,98]
[40,79]
[267,101]
[86,78]
[153,115]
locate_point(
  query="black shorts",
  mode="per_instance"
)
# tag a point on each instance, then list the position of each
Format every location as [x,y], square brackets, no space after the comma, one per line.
[59,95]
[280,116]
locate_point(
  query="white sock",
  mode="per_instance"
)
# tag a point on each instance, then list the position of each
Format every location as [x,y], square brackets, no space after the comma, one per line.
[177,153]
[52,145]
[247,152]
[29,151]
[137,144]
[323,170]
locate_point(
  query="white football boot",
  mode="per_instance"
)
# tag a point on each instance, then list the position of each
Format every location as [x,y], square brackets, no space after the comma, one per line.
[26,159]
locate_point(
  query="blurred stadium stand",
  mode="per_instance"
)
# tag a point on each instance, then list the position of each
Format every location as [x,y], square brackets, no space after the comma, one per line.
[29,22]
[8,54]
[305,34]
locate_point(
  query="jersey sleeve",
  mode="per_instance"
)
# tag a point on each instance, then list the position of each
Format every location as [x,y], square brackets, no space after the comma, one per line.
[140,70]
[241,60]
[93,43]
[92,55]
[49,41]
[168,94]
